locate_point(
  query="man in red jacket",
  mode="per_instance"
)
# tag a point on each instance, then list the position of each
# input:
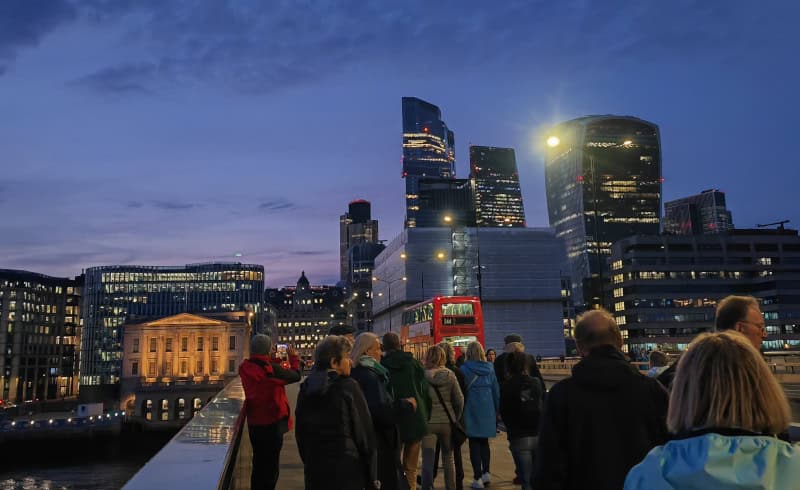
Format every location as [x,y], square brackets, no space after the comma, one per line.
[267,408]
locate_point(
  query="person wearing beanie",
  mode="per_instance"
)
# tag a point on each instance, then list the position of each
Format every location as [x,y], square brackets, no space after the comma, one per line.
[344,331]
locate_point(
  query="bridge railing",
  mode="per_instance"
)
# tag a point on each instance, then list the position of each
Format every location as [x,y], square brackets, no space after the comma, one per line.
[204,455]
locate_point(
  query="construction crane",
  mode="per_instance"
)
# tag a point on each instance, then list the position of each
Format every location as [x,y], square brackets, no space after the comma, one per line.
[779,223]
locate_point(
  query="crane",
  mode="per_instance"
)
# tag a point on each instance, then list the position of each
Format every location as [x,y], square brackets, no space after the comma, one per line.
[779,223]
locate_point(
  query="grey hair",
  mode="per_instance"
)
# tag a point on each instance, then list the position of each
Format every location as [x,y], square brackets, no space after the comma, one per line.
[260,344]
[363,343]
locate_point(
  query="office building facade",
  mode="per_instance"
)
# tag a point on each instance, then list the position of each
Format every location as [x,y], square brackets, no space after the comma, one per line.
[444,201]
[603,183]
[355,226]
[704,213]
[304,314]
[520,283]
[40,331]
[428,150]
[495,183]
[666,287]
[358,297]
[116,295]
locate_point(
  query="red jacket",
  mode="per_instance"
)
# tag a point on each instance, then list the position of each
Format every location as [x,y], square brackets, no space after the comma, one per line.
[265,389]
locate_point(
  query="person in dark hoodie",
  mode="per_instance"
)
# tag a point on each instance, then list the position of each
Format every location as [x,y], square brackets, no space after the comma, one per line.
[384,408]
[267,408]
[513,344]
[334,431]
[601,421]
[407,380]
[521,408]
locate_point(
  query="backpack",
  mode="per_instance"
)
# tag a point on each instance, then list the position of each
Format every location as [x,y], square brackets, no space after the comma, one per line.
[530,405]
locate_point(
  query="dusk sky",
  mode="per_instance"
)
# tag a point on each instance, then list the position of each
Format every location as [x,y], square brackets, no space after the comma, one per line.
[172,132]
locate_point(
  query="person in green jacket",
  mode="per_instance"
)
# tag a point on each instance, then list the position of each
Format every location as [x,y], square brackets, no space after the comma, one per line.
[407,380]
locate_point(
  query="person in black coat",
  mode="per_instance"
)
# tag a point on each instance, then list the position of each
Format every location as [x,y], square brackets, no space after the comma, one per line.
[521,408]
[514,344]
[385,410]
[601,421]
[334,430]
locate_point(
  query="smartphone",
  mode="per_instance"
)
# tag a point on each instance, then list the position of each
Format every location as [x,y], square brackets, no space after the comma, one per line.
[282,351]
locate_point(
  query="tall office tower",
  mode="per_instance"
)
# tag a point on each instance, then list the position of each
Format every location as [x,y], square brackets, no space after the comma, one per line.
[445,202]
[114,295]
[39,336]
[701,214]
[495,180]
[428,150]
[355,226]
[603,180]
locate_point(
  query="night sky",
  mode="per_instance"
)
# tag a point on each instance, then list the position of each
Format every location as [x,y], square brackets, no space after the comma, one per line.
[171,132]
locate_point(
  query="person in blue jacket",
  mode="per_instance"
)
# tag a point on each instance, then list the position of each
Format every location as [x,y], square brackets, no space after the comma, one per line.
[480,410]
[725,410]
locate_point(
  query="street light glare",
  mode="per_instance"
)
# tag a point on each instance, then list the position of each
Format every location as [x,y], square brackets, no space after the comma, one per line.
[403,255]
[448,218]
[440,255]
[405,278]
[553,141]
[627,143]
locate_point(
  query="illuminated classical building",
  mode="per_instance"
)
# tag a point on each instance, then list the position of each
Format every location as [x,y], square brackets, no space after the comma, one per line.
[428,150]
[171,366]
[495,180]
[701,214]
[603,182]
[665,288]
[40,331]
[304,314]
[117,295]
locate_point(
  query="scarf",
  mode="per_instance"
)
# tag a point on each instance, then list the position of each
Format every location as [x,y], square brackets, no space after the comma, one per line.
[371,363]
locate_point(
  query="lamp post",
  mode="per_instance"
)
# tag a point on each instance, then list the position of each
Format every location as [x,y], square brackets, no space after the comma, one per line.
[389,293]
[439,256]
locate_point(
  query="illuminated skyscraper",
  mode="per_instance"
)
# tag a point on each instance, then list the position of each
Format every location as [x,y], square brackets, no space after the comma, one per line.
[355,226]
[498,197]
[603,180]
[428,150]
[701,214]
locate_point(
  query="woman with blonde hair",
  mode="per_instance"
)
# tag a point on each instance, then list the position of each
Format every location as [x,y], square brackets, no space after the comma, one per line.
[480,411]
[385,410]
[725,410]
[447,402]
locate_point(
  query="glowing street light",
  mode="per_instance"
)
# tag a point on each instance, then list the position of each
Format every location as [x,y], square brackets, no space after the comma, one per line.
[448,219]
[627,143]
[553,141]
[440,255]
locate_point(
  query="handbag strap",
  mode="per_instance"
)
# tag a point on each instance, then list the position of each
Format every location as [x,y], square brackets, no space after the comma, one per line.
[444,405]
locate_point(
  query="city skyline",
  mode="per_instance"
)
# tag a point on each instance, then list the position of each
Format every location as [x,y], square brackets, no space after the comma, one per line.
[150,153]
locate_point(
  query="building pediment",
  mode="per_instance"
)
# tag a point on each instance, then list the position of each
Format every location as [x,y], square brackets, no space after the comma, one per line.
[185,319]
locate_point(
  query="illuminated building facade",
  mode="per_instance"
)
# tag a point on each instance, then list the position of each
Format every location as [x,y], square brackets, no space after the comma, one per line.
[440,197]
[304,314]
[355,226]
[495,180]
[40,329]
[665,288]
[704,213]
[172,365]
[358,301]
[428,150]
[116,295]
[603,183]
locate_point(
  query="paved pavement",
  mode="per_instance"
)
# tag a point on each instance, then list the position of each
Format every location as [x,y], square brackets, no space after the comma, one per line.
[502,465]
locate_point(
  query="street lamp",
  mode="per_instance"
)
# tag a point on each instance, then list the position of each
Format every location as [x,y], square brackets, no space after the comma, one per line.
[439,256]
[389,293]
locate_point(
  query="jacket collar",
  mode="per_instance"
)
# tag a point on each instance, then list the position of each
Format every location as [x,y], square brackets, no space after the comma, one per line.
[723,431]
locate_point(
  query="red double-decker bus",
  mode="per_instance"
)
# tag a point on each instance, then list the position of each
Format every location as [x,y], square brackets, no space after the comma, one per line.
[455,319]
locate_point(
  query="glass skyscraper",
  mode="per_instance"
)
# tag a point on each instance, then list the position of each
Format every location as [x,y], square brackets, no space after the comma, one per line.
[701,214]
[355,226]
[114,295]
[495,179]
[428,150]
[603,182]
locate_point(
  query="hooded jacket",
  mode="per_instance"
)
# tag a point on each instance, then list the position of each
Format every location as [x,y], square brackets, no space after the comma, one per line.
[334,433]
[738,459]
[482,399]
[598,423]
[407,379]
[264,388]
[446,382]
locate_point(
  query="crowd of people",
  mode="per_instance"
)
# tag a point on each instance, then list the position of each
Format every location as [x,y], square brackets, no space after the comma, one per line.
[369,412]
